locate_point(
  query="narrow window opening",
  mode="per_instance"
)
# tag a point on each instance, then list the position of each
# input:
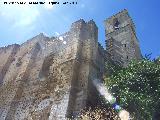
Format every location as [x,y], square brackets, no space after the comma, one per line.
[116,24]
[127,57]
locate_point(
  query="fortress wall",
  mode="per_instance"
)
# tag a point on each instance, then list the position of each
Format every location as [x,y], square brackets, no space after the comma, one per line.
[7,57]
[20,82]
[50,77]
[12,82]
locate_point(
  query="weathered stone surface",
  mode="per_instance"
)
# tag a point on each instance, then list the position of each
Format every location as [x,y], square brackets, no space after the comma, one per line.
[51,78]
[121,40]
[48,78]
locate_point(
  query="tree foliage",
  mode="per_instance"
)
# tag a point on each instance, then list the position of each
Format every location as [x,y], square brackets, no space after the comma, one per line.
[137,87]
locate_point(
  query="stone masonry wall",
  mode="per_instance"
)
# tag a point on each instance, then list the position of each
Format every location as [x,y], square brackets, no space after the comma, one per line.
[51,78]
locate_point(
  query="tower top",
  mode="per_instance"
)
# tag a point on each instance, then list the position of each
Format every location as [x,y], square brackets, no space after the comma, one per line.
[124,11]
[118,20]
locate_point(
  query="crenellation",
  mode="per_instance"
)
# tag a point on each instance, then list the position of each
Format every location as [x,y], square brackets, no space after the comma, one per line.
[78,23]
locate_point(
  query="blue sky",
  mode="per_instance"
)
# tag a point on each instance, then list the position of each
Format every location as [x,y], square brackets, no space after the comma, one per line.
[20,23]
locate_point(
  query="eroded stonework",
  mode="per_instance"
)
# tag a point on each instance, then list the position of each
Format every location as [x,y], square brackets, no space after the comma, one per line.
[48,78]
[122,44]
[51,78]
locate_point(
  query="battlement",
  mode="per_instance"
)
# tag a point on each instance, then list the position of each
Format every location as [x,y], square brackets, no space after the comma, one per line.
[78,24]
[81,23]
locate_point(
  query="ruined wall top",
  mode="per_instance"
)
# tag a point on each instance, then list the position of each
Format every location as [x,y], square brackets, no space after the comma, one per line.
[92,23]
[81,23]
[9,46]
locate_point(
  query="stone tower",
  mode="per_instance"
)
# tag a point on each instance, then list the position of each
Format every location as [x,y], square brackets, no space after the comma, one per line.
[121,40]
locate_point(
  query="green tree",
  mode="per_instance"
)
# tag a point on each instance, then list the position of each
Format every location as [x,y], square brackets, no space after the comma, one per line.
[137,87]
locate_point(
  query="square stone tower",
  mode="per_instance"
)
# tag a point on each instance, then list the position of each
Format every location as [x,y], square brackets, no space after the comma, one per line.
[121,40]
